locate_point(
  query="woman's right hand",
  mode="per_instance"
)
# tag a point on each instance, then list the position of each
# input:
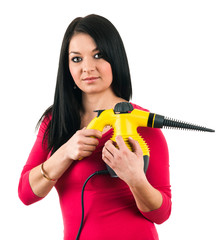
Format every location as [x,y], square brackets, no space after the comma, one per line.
[82,143]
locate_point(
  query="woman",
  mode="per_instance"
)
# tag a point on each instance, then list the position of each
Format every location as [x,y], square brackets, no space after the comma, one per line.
[94,74]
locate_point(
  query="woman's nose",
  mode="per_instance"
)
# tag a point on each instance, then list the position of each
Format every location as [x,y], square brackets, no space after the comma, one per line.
[89,65]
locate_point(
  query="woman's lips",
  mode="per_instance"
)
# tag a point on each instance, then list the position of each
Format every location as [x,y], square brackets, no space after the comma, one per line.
[90,79]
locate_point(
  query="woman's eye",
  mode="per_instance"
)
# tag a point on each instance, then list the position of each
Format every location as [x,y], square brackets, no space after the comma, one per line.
[76,59]
[98,55]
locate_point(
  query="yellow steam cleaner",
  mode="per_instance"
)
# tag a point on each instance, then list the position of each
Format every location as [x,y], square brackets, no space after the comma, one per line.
[125,120]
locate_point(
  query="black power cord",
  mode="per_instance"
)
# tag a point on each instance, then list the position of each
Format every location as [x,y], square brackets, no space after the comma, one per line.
[82,197]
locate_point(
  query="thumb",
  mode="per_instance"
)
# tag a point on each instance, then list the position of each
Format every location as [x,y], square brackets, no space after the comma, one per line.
[135,146]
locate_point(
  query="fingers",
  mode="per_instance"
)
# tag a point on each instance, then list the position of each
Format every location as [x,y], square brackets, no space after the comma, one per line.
[82,143]
[133,143]
[108,150]
[89,138]
[120,142]
[110,146]
[90,141]
[92,133]
[122,160]
[122,145]
[135,146]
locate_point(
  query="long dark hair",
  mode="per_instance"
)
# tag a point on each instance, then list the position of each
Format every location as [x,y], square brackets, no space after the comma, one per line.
[65,111]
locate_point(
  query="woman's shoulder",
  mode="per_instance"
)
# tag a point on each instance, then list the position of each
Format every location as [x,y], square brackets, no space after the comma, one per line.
[46,119]
[44,122]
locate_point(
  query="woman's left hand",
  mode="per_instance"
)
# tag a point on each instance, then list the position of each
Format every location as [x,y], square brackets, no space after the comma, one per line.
[128,165]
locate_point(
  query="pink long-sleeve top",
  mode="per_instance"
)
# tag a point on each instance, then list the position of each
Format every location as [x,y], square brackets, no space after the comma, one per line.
[110,209]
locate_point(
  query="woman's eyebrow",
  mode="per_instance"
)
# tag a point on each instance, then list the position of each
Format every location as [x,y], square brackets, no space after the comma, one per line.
[74,52]
[95,50]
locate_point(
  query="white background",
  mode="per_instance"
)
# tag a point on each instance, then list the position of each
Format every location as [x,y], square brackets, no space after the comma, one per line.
[175,55]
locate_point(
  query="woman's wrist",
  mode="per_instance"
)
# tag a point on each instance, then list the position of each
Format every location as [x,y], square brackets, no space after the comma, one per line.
[56,165]
[147,197]
[137,181]
[45,175]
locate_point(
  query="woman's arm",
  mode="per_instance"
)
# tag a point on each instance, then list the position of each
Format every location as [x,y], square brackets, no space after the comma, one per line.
[33,186]
[146,196]
[129,167]
[151,191]
[54,168]
[80,145]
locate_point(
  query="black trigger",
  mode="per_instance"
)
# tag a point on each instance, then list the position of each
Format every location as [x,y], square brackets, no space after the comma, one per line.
[99,112]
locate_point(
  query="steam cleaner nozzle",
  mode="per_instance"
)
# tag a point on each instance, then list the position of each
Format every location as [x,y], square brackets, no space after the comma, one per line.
[159,121]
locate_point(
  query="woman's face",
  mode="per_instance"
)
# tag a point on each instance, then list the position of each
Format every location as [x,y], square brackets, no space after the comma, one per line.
[91,73]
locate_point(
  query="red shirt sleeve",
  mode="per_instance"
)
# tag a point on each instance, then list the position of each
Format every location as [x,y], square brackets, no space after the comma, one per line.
[38,155]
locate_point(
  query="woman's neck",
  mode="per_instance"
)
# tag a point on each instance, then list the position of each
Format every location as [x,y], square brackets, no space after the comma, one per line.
[92,102]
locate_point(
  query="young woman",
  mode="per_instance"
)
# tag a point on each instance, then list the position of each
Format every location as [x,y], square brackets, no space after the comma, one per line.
[94,74]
